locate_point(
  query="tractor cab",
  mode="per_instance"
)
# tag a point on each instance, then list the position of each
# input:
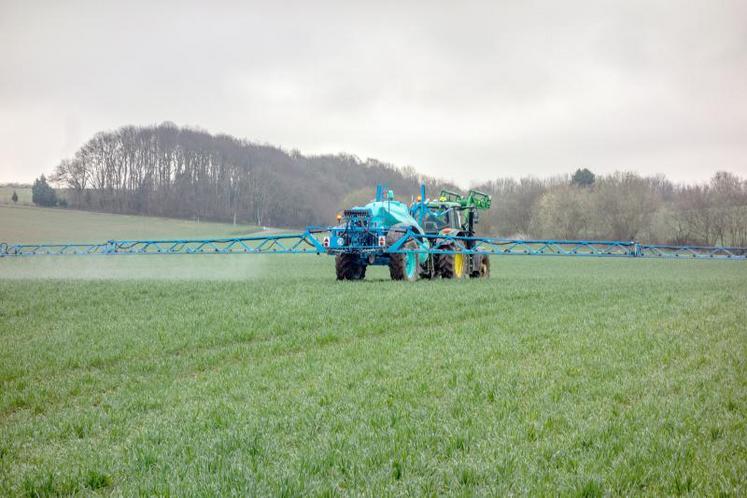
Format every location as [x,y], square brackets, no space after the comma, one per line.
[440,215]
[461,212]
[450,211]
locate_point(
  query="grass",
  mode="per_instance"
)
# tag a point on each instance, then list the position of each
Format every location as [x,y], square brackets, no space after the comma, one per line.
[34,224]
[569,376]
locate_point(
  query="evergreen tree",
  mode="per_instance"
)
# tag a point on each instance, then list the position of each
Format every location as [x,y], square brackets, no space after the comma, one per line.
[42,194]
[583,178]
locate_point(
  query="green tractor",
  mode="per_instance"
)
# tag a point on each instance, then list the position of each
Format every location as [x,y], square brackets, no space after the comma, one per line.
[453,215]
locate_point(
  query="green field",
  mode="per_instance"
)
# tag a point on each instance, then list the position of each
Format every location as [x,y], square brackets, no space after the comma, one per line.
[34,224]
[262,375]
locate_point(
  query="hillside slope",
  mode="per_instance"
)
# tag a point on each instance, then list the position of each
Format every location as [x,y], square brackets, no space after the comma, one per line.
[170,171]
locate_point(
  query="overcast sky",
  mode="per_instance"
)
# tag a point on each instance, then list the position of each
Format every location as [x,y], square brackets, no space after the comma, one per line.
[461,90]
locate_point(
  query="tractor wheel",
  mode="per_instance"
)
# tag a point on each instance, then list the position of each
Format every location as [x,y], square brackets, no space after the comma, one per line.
[452,265]
[403,266]
[349,267]
[483,266]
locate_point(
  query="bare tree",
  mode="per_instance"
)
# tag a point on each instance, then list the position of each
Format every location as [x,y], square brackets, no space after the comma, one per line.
[624,204]
[563,212]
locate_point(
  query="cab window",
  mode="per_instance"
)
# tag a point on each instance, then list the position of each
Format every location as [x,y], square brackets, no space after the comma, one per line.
[435,221]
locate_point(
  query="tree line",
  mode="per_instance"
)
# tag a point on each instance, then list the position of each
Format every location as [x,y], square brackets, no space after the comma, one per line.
[181,172]
[620,206]
[170,171]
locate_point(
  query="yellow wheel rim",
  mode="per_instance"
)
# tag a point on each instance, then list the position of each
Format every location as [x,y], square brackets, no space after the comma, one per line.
[458,265]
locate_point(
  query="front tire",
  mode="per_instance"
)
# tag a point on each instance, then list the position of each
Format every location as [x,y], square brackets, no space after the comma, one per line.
[403,266]
[452,265]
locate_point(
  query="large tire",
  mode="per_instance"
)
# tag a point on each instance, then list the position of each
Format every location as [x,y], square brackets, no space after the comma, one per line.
[482,265]
[403,266]
[349,267]
[452,265]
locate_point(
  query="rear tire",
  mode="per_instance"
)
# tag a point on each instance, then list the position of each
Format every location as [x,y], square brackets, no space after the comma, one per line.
[349,267]
[403,266]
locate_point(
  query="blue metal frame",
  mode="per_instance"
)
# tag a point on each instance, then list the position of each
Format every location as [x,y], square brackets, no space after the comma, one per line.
[552,247]
[312,241]
[306,242]
[355,234]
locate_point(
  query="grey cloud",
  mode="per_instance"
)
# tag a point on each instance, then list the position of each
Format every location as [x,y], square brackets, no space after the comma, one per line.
[463,90]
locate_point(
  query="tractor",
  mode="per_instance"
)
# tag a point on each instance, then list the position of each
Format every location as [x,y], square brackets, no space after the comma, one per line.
[427,239]
[449,216]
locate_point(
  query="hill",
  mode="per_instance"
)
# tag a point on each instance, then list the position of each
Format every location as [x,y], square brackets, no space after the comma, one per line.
[180,172]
